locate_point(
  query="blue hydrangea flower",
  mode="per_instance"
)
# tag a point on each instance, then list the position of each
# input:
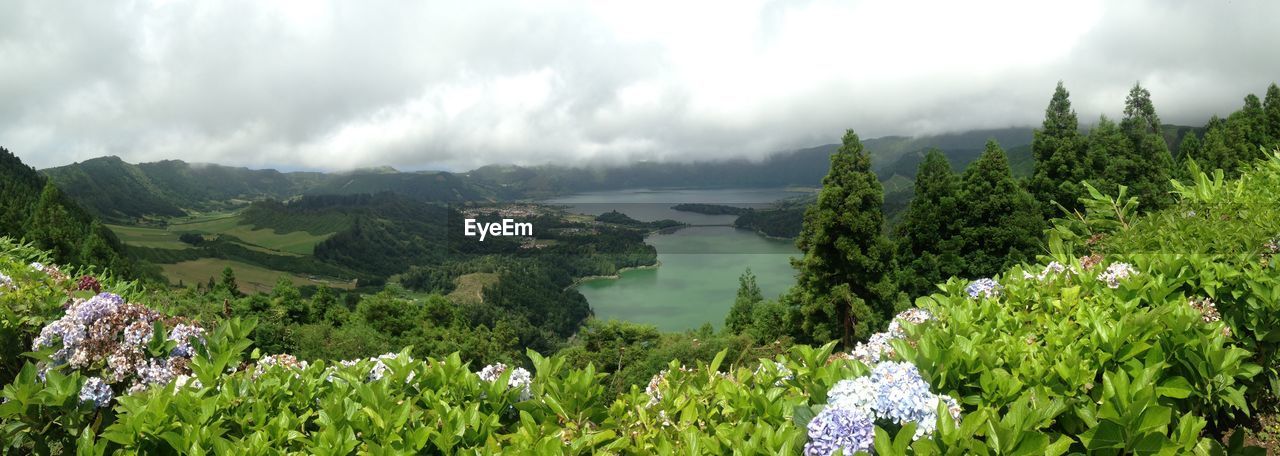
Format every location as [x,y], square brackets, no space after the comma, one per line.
[840,426]
[983,288]
[859,393]
[97,391]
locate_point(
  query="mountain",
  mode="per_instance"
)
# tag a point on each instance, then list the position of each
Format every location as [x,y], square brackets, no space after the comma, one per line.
[33,209]
[118,191]
[433,186]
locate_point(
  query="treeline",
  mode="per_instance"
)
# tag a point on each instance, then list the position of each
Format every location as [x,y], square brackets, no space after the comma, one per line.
[618,218]
[32,208]
[710,209]
[983,220]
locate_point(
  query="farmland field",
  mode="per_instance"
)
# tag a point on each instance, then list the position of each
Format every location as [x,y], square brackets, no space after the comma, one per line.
[470,286]
[264,240]
[251,278]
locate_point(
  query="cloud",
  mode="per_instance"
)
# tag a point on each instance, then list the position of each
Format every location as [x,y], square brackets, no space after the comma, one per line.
[455,85]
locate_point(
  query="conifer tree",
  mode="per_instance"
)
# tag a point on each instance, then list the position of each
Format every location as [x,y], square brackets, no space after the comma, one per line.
[1145,165]
[927,244]
[847,258]
[1001,223]
[1271,110]
[1059,154]
[739,318]
[229,281]
[52,226]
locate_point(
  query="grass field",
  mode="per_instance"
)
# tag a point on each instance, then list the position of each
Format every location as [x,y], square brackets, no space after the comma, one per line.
[469,286]
[148,237]
[264,240]
[252,279]
[297,242]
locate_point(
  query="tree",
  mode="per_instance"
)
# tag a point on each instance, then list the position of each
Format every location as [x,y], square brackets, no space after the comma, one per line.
[286,297]
[96,250]
[52,226]
[927,243]
[1188,150]
[844,246]
[1059,154]
[1271,110]
[1001,224]
[1145,164]
[229,281]
[739,318]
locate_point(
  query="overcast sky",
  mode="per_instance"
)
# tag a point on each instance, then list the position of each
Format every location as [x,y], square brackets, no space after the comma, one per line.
[458,84]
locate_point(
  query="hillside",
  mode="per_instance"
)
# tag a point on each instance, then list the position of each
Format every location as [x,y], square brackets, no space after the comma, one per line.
[33,209]
[123,192]
[1051,357]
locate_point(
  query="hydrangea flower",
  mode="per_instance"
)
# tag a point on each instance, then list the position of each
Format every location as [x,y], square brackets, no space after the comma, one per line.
[182,334]
[839,427]
[983,288]
[894,392]
[520,378]
[876,347]
[1053,269]
[90,310]
[96,391]
[859,393]
[913,315]
[284,360]
[38,266]
[88,283]
[109,335]
[6,282]
[1116,273]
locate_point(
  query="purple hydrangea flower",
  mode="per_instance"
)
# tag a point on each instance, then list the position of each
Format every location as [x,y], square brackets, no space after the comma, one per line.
[97,391]
[89,311]
[839,427]
[983,288]
[6,281]
[182,334]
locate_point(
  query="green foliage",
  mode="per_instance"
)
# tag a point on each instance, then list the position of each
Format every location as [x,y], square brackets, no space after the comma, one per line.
[1001,223]
[1059,152]
[32,208]
[1142,163]
[739,318]
[928,250]
[844,250]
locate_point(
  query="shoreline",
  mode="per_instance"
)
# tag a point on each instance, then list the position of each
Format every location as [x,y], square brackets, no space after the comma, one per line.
[618,275]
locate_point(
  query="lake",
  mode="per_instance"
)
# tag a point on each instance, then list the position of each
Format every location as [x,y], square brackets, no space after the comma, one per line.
[698,277]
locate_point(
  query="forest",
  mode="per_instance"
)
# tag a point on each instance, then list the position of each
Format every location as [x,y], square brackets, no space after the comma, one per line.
[1121,299]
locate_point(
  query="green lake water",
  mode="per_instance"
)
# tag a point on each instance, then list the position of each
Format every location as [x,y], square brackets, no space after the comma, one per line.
[698,277]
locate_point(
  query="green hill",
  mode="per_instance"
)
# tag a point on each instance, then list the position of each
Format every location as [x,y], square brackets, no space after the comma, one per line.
[33,209]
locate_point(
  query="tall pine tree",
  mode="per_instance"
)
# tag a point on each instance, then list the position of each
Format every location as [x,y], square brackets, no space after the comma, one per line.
[1144,166]
[739,319]
[1001,222]
[1271,109]
[1059,153]
[927,243]
[844,275]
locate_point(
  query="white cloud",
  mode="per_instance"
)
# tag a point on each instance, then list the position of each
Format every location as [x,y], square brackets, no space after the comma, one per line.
[333,85]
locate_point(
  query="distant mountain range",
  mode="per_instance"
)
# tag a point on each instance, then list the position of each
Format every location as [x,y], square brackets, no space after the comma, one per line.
[118,191]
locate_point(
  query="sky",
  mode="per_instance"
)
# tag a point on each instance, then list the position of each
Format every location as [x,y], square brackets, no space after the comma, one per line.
[453,85]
